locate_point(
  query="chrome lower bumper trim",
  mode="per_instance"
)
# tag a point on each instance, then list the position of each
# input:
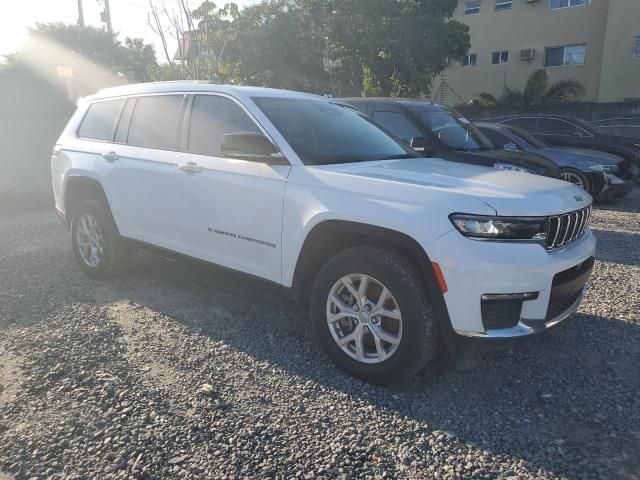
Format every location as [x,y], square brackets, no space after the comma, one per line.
[527,327]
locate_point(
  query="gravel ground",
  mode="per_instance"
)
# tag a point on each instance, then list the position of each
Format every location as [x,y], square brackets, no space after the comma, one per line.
[183,371]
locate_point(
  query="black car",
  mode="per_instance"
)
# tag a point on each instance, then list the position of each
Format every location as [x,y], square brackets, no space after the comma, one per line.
[441,132]
[571,132]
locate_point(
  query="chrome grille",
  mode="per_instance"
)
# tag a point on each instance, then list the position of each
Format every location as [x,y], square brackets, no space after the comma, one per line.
[567,228]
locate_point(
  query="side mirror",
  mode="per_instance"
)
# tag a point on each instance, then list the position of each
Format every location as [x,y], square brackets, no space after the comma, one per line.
[511,146]
[577,134]
[419,144]
[251,146]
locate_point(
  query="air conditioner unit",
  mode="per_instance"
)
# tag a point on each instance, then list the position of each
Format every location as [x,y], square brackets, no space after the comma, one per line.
[528,54]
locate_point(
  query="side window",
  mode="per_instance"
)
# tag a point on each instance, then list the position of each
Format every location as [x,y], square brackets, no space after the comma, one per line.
[497,138]
[213,116]
[100,120]
[551,126]
[125,119]
[398,124]
[528,124]
[154,121]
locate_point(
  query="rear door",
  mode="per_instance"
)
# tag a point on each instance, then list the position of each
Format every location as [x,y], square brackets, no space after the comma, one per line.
[138,169]
[231,209]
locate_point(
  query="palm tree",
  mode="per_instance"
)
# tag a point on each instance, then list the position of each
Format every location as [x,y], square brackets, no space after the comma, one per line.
[537,91]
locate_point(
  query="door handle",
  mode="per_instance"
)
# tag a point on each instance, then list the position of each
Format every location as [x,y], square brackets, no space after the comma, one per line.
[110,156]
[190,167]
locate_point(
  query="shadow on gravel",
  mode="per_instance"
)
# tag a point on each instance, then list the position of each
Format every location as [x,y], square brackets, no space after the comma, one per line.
[566,397]
[618,247]
[629,204]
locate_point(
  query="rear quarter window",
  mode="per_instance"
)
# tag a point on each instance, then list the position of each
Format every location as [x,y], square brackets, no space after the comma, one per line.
[99,122]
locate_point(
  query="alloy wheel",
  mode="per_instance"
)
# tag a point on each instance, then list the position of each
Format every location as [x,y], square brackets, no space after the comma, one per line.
[364,318]
[573,178]
[89,240]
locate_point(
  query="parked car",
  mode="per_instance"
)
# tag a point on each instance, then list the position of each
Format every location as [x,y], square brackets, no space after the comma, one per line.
[602,174]
[571,132]
[394,253]
[440,132]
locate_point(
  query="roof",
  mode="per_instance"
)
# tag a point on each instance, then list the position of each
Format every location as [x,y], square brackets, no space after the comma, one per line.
[390,100]
[187,47]
[192,86]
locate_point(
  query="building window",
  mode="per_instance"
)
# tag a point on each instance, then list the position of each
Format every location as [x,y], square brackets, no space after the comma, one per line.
[469,60]
[499,58]
[472,7]
[556,4]
[565,55]
[636,48]
[503,5]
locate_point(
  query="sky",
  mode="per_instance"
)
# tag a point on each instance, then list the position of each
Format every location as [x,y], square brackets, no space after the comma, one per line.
[129,18]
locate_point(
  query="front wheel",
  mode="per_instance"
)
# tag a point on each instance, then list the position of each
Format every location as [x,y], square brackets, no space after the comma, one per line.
[372,316]
[97,245]
[576,177]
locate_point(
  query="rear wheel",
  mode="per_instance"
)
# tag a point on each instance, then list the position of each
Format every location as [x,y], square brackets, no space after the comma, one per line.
[576,177]
[372,316]
[97,246]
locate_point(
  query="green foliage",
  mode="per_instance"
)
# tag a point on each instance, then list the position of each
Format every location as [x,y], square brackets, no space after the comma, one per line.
[344,47]
[134,60]
[537,91]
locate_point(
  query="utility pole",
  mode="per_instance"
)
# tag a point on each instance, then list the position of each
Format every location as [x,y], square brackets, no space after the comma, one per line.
[106,16]
[80,14]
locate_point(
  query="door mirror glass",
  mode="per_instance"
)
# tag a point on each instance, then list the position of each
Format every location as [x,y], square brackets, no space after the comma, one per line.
[250,146]
[511,146]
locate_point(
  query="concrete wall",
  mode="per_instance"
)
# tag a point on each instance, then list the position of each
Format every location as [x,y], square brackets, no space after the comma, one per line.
[605,26]
[33,113]
[620,78]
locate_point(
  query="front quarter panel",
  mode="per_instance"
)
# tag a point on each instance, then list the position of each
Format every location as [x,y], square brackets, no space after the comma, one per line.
[315,195]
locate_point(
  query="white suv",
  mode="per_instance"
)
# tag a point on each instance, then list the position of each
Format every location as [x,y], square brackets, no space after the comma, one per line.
[395,253]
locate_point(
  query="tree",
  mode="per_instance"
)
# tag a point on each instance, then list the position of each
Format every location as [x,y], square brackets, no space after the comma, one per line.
[537,91]
[343,47]
[279,44]
[401,47]
[202,36]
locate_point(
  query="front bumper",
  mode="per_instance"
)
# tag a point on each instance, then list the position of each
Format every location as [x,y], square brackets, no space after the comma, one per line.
[475,268]
[616,187]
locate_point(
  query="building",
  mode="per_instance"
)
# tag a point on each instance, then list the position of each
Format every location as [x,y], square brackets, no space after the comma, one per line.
[596,42]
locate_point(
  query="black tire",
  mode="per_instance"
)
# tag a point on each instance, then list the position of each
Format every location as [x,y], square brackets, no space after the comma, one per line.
[116,254]
[419,340]
[583,178]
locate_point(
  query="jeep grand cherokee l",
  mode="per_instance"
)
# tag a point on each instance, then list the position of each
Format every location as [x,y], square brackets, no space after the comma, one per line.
[394,253]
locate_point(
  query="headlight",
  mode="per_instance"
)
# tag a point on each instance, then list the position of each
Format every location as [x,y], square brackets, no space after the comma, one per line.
[604,168]
[514,168]
[500,228]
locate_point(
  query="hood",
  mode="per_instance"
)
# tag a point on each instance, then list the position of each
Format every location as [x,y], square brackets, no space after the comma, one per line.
[537,163]
[593,157]
[507,192]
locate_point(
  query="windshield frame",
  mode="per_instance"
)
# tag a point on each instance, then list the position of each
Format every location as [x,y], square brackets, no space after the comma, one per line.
[307,158]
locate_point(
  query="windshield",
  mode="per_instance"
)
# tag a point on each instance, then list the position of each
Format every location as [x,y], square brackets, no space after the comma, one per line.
[527,137]
[454,130]
[323,133]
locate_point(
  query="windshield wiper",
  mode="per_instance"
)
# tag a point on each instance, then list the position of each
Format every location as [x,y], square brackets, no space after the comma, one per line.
[401,156]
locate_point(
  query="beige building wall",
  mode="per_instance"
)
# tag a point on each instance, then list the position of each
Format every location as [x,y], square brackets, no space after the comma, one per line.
[620,76]
[532,24]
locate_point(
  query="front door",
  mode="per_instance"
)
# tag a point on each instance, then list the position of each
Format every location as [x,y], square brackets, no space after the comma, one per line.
[232,209]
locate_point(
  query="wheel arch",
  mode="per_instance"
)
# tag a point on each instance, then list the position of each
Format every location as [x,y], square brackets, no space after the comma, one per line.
[332,236]
[79,188]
